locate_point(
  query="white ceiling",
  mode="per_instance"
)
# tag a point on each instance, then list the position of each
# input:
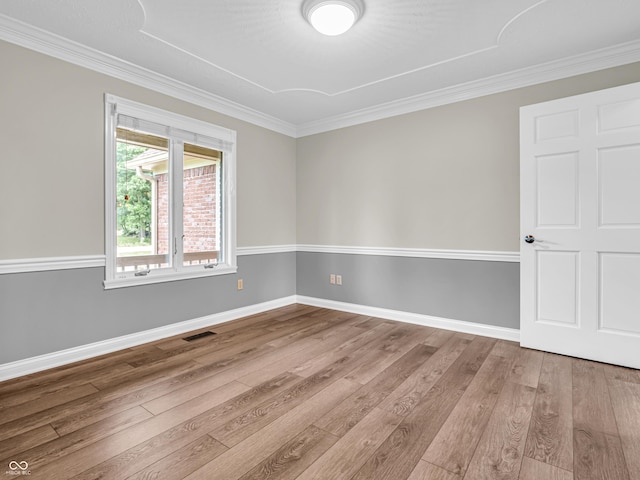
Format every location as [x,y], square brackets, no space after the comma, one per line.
[261,59]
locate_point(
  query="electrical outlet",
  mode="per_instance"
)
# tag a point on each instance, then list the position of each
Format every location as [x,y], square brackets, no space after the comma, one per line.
[332,279]
[338,279]
[240,284]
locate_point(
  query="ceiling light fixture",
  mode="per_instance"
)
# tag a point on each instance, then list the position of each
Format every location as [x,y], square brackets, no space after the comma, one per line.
[332,17]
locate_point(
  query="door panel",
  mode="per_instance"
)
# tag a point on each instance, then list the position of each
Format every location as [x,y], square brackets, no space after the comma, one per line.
[558,287]
[580,200]
[557,125]
[557,190]
[619,116]
[619,288]
[619,177]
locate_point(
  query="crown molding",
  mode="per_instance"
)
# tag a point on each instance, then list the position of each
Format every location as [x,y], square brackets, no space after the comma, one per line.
[567,67]
[41,41]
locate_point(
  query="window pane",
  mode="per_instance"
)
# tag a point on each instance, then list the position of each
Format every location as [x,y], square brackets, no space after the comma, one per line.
[142,201]
[201,205]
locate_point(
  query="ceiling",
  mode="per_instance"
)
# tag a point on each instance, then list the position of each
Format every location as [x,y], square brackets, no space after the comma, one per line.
[261,61]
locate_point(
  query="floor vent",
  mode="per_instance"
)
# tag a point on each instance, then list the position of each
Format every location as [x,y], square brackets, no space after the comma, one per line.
[198,336]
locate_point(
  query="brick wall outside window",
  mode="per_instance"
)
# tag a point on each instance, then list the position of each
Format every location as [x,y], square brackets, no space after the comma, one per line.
[200,197]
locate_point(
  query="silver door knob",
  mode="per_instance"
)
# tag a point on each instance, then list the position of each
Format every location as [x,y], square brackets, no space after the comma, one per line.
[529,239]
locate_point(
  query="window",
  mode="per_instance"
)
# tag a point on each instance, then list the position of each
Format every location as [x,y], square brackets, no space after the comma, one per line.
[169,196]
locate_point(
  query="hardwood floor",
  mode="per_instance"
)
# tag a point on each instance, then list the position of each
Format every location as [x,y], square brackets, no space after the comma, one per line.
[309,393]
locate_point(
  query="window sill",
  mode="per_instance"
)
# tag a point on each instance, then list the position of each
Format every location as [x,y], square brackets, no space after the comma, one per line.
[162,277]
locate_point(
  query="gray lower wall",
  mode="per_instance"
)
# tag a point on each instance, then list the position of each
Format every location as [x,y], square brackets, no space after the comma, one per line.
[474,291]
[44,312]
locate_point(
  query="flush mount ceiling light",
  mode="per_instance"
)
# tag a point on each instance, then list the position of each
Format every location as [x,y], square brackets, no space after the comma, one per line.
[332,17]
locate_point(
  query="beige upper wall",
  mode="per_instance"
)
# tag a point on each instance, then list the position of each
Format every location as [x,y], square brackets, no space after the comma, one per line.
[52,175]
[442,178]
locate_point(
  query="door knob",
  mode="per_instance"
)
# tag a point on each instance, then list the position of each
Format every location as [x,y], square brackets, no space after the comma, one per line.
[529,239]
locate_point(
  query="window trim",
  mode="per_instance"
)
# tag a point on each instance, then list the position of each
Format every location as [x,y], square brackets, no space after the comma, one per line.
[113,279]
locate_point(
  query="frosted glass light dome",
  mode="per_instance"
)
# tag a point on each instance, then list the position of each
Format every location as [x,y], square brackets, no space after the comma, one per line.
[332,17]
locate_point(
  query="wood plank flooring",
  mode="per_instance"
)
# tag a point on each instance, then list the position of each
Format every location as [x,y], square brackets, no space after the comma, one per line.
[312,394]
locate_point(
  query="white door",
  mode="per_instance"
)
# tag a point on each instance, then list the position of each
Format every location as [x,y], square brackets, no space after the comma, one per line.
[580,203]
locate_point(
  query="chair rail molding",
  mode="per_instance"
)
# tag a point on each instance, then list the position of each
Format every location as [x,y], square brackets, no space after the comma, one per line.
[42,264]
[491,256]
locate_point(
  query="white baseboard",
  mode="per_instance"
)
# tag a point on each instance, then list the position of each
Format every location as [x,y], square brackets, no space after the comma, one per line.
[75,354]
[415,318]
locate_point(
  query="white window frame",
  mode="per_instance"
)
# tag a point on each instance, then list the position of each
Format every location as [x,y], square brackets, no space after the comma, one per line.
[226,139]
